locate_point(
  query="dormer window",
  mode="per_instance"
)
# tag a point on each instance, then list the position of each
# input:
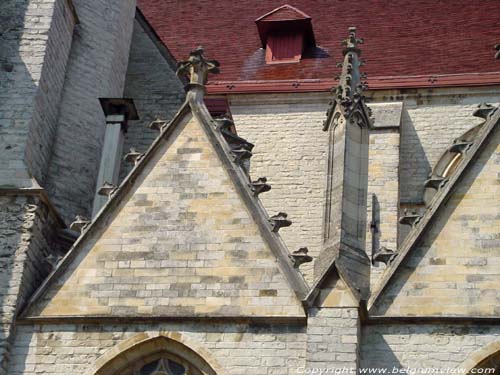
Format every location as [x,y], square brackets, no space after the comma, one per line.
[285,32]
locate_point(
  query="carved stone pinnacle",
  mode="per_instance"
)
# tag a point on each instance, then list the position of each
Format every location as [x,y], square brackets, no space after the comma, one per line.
[197,68]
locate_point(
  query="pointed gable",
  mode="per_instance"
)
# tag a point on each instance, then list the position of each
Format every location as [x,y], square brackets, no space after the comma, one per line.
[180,243]
[453,269]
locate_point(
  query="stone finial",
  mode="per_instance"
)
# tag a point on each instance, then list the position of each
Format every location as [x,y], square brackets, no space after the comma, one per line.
[279,221]
[133,156]
[347,95]
[197,68]
[384,255]
[260,186]
[107,189]
[79,224]
[497,48]
[300,257]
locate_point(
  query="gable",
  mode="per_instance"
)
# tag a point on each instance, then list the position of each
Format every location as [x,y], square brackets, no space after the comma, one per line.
[180,243]
[454,269]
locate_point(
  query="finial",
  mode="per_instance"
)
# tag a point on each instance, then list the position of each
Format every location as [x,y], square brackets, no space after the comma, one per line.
[347,95]
[197,68]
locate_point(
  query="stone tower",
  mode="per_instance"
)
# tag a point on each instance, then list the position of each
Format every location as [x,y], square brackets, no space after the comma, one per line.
[55,64]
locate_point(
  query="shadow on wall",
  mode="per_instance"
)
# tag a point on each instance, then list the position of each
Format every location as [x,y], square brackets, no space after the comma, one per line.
[17,90]
[414,164]
[16,84]
[152,83]
[415,257]
[414,167]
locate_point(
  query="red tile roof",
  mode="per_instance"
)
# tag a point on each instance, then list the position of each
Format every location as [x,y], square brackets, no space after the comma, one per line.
[413,41]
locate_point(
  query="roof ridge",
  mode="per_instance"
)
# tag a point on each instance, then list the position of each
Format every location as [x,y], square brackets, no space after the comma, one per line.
[284,6]
[421,223]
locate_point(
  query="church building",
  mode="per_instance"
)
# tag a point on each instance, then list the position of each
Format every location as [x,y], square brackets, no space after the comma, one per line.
[249,188]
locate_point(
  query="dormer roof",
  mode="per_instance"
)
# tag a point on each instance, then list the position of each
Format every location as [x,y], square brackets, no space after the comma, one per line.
[286,18]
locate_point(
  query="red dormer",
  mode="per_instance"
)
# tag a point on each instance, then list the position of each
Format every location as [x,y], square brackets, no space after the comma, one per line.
[285,32]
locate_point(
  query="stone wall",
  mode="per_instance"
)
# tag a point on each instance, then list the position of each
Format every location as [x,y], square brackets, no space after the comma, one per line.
[423,346]
[290,149]
[454,269]
[181,242]
[332,339]
[239,349]
[35,39]
[156,90]
[26,240]
[96,69]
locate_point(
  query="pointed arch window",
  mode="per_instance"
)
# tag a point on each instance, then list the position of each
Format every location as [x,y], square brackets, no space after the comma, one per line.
[161,364]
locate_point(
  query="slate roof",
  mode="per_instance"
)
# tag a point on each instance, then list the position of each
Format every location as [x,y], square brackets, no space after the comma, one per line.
[421,39]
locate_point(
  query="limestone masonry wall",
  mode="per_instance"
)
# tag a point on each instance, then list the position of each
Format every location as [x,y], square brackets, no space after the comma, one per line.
[239,349]
[332,338]
[423,346]
[290,150]
[35,38]
[26,234]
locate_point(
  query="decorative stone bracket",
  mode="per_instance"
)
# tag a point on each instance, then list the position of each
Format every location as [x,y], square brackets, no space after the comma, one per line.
[279,221]
[300,257]
[157,125]
[133,156]
[410,218]
[384,255]
[107,189]
[79,224]
[260,186]
[435,182]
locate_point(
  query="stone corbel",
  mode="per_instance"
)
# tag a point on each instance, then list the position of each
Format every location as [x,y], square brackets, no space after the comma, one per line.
[260,186]
[279,221]
[300,257]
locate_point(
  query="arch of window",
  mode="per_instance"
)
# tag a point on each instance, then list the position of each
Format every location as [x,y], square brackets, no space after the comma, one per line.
[160,355]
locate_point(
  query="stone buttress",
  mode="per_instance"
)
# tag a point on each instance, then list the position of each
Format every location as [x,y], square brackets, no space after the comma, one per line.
[342,270]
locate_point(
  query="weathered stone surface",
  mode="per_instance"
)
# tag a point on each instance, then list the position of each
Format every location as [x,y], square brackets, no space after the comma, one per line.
[156,90]
[35,39]
[423,346]
[26,241]
[238,349]
[96,69]
[181,243]
[454,270]
[332,339]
